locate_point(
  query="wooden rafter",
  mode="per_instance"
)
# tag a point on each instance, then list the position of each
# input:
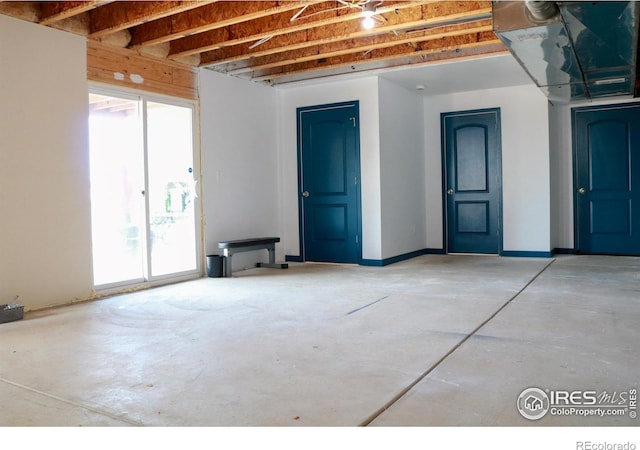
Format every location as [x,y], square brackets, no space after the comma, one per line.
[279,26]
[206,18]
[51,12]
[412,18]
[110,104]
[29,11]
[360,57]
[442,53]
[277,41]
[363,45]
[119,16]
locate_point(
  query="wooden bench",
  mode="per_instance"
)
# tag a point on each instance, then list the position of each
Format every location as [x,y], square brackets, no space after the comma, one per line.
[229,248]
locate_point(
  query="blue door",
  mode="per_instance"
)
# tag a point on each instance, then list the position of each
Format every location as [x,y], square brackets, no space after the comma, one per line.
[329,180]
[607,175]
[472,198]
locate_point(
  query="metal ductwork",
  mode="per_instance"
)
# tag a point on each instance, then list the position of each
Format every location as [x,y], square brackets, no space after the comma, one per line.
[572,50]
[541,10]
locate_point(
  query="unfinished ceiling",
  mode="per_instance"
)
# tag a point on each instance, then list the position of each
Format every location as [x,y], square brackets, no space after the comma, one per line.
[276,42]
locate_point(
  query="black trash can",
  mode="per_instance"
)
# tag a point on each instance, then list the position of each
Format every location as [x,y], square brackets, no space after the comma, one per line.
[215,266]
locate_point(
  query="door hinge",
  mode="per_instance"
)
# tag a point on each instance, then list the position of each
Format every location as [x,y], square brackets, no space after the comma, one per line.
[356,238]
[355,180]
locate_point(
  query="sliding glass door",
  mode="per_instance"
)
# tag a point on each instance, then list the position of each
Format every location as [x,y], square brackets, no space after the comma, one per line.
[171,188]
[143,190]
[117,186]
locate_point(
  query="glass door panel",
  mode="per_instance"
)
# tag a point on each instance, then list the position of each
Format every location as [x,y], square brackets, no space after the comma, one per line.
[117,185]
[172,223]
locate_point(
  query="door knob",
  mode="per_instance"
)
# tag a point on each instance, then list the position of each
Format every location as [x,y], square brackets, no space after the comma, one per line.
[582,190]
[305,194]
[450,191]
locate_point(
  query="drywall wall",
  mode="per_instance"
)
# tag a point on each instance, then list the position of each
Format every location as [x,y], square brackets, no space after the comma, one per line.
[366,91]
[402,178]
[525,164]
[561,174]
[45,231]
[239,129]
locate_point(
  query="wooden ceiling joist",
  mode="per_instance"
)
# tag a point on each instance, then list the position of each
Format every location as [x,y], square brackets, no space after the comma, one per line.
[387,53]
[363,45]
[332,68]
[119,16]
[29,11]
[277,41]
[320,16]
[110,104]
[206,18]
[411,20]
[51,12]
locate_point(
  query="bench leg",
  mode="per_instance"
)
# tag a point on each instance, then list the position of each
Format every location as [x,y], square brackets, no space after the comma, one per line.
[228,267]
[227,264]
[272,260]
[272,254]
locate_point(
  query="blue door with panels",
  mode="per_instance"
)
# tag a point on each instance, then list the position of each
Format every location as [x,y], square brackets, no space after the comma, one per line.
[329,182]
[472,183]
[607,174]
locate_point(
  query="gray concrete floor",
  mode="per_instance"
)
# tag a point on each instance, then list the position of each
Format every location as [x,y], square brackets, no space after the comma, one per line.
[433,341]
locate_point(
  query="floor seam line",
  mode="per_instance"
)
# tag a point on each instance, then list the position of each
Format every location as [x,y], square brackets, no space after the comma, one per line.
[71,402]
[367,305]
[404,391]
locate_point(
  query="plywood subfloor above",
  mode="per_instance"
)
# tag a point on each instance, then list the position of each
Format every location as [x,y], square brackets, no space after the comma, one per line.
[277,41]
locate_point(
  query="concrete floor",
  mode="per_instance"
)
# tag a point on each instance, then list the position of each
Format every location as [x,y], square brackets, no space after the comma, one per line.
[433,341]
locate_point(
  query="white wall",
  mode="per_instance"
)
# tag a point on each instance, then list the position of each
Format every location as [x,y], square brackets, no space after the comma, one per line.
[45,231]
[525,163]
[402,177]
[366,91]
[561,177]
[239,129]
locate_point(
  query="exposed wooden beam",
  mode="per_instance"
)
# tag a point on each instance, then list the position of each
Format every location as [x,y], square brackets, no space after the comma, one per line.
[51,12]
[410,19]
[278,26]
[29,11]
[124,67]
[119,16]
[383,54]
[278,40]
[112,104]
[206,18]
[295,73]
[358,45]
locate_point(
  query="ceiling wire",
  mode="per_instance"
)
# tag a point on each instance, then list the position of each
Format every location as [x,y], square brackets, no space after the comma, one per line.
[260,42]
[298,16]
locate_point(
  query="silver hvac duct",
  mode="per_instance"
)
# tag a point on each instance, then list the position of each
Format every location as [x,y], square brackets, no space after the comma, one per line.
[541,10]
[572,50]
